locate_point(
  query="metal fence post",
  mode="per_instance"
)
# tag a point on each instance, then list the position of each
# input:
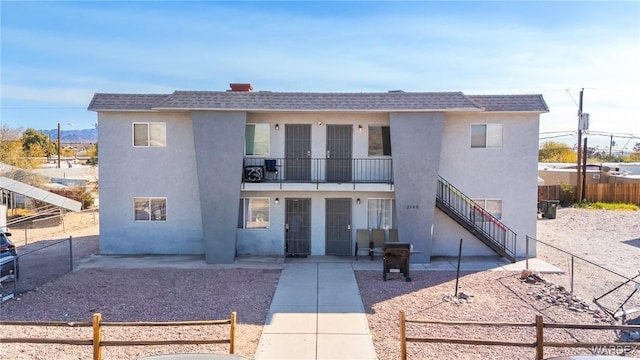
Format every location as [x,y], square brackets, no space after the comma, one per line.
[526,253]
[458,269]
[70,253]
[15,277]
[572,274]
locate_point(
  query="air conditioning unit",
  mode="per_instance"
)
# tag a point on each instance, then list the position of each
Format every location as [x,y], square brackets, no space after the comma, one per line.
[253,173]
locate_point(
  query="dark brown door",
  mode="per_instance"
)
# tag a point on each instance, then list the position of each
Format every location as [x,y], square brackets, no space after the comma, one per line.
[339,142]
[338,227]
[297,148]
[298,227]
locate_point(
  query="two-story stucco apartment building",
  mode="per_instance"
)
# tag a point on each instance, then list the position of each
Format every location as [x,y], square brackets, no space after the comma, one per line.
[226,173]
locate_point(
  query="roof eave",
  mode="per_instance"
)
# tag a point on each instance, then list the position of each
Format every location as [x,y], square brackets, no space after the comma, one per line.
[122,110]
[518,111]
[319,110]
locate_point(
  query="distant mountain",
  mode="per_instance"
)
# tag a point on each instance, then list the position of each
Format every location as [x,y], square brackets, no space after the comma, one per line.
[73,136]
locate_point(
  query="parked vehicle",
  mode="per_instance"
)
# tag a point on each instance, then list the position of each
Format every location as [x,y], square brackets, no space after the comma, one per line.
[8,256]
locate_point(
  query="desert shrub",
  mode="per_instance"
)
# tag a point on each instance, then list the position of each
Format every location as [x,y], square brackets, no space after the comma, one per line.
[567,194]
[608,206]
[78,193]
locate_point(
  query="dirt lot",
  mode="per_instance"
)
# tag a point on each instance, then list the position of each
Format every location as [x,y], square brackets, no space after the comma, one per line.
[192,294]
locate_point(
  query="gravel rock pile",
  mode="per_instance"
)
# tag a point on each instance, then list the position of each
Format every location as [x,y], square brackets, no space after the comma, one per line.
[554,294]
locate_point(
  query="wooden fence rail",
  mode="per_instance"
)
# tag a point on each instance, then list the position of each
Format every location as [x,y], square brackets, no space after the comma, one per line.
[611,193]
[98,343]
[538,343]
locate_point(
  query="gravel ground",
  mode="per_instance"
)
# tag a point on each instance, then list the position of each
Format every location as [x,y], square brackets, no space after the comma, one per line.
[198,294]
[143,295]
[614,239]
[607,238]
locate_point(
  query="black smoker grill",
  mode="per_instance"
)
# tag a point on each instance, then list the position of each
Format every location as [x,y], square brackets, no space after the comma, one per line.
[396,259]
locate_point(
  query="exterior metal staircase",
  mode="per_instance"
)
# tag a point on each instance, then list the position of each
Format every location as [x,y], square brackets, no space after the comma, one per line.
[475,219]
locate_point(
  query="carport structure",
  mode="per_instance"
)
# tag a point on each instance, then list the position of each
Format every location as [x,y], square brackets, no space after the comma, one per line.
[14,186]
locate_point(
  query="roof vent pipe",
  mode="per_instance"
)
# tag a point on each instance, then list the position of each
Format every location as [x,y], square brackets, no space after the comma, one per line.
[241,87]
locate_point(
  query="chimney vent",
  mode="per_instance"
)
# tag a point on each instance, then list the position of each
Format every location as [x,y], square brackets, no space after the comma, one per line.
[241,87]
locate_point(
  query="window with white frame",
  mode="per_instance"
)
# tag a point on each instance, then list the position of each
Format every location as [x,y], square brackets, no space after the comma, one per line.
[486,135]
[379,140]
[256,138]
[381,213]
[490,206]
[253,213]
[149,134]
[150,209]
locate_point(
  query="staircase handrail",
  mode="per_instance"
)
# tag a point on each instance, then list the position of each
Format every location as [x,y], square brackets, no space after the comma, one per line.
[463,206]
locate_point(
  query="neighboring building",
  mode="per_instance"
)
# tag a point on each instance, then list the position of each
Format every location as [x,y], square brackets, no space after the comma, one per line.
[223,173]
[566,174]
[605,173]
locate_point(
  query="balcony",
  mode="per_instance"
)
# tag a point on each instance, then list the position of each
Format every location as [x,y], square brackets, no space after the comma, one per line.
[317,171]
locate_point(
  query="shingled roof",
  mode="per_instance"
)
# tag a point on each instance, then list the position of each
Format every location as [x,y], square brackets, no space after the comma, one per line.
[126,102]
[297,101]
[510,102]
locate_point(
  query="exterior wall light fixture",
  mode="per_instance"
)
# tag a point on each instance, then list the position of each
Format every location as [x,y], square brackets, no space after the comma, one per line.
[359,128]
[358,201]
[276,201]
[277,127]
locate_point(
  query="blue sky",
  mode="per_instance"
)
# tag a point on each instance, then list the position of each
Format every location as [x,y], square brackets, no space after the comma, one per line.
[56,55]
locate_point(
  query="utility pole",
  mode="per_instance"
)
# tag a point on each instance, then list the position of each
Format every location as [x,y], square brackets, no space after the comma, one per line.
[583,194]
[611,143]
[59,138]
[579,180]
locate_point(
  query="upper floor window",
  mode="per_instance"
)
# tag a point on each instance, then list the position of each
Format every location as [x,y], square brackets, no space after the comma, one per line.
[256,140]
[486,135]
[254,213]
[149,134]
[150,209]
[379,141]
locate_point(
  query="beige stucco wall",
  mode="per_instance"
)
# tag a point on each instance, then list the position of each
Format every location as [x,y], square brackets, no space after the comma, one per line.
[568,177]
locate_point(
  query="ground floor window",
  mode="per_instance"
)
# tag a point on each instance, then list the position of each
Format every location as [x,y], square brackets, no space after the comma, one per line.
[150,209]
[253,213]
[491,206]
[381,213]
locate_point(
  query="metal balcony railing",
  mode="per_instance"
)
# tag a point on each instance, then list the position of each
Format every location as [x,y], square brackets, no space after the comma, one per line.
[317,170]
[476,219]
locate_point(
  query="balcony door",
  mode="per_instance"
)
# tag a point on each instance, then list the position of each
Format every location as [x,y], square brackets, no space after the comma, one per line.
[339,143]
[297,148]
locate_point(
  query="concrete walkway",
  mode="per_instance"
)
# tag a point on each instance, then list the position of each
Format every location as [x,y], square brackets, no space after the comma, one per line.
[316,313]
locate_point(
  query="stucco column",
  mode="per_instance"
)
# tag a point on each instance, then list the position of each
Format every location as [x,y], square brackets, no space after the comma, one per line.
[416,140]
[219,146]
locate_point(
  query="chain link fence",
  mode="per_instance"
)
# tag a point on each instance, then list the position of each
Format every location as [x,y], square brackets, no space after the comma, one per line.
[614,292]
[32,229]
[49,247]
